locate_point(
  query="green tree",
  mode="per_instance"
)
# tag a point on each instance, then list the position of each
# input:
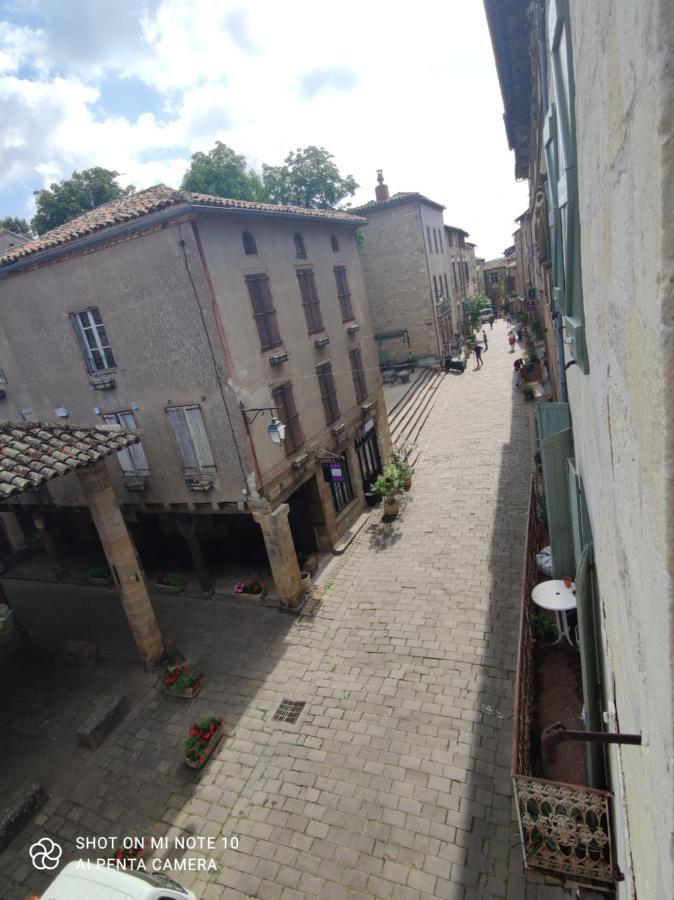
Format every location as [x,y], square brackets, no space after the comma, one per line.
[472,309]
[308,178]
[17,225]
[223,173]
[67,199]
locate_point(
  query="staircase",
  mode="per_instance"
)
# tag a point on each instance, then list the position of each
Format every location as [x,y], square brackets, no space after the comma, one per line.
[408,415]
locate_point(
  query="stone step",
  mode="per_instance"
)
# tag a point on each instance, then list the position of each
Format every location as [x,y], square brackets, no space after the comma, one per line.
[415,400]
[416,382]
[419,409]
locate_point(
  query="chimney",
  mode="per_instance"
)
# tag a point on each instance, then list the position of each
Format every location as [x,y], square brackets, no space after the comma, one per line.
[381,191]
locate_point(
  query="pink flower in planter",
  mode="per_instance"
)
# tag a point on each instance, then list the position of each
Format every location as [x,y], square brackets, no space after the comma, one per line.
[239,587]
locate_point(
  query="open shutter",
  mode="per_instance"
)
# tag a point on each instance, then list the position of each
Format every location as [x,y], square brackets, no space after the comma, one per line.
[177,420]
[123,455]
[590,663]
[551,418]
[202,448]
[75,321]
[555,450]
[135,451]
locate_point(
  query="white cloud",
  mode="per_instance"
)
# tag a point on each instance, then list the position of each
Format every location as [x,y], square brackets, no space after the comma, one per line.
[414,92]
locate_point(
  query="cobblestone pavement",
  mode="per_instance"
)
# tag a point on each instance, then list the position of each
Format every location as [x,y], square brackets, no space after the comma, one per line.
[394,782]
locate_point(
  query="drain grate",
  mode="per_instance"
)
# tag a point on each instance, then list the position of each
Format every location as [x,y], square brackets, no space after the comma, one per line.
[289,711]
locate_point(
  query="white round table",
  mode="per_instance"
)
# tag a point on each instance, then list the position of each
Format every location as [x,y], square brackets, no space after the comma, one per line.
[559,599]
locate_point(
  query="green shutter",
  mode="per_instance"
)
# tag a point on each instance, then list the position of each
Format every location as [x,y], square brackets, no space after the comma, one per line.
[591,664]
[555,450]
[551,418]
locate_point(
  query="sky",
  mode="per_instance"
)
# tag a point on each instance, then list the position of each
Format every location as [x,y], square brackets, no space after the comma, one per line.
[138,86]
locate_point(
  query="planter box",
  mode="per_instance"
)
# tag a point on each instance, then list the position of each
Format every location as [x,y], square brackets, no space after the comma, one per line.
[246,595]
[169,588]
[183,695]
[210,747]
[101,582]
[391,509]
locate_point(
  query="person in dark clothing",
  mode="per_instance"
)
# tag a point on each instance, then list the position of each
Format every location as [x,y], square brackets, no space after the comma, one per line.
[484,338]
[491,323]
[478,355]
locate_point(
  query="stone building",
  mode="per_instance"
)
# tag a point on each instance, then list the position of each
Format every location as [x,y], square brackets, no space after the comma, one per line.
[203,321]
[407,272]
[9,239]
[588,96]
[495,275]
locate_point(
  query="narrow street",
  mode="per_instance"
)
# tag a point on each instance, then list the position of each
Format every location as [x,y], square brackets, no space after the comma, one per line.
[395,780]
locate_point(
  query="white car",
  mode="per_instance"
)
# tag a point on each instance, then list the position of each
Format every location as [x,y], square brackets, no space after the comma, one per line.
[86,881]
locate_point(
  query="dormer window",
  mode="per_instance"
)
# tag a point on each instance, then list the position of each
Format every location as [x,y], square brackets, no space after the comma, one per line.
[300,249]
[249,245]
[335,243]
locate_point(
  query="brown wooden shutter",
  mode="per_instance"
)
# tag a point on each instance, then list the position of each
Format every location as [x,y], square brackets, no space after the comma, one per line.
[326,383]
[264,313]
[310,301]
[343,293]
[358,374]
[284,401]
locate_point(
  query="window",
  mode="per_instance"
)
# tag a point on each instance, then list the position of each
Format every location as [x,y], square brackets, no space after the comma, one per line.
[435,287]
[344,293]
[428,235]
[462,241]
[263,311]
[340,483]
[334,243]
[435,239]
[450,239]
[358,373]
[249,245]
[465,273]
[446,287]
[93,339]
[192,439]
[284,401]
[300,249]
[440,240]
[310,302]
[132,459]
[456,283]
[493,277]
[326,382]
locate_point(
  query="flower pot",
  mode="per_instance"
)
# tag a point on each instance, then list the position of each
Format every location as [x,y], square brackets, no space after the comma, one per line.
[170,588]
[391,508]
[100,582]
[248,595]
[371,498]
[188,694]
[208,750]
[305,581]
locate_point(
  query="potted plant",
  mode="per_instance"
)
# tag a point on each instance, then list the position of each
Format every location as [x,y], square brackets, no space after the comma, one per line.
[171,583]
[528,392]
[305,581]
[400,458]
[178,681]
[203,738]
[544,629]
[253,588]
[99,574]
[389,486]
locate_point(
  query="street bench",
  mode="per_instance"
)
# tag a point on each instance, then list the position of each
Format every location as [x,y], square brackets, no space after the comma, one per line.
[105,715]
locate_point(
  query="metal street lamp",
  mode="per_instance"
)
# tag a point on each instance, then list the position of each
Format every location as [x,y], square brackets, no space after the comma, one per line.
[276,429]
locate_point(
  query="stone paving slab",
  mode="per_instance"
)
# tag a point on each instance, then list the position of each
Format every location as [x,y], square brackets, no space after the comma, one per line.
[395,780]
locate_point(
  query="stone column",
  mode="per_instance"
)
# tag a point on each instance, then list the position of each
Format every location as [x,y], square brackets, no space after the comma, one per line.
[187,526]
[49,545]
[14,532]
[278,540]
[123,561]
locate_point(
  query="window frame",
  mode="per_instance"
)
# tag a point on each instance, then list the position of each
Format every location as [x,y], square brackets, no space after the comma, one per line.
[102,347]
[428,235]
[342,491]
[283,398]
[249,243]
[435,239]
[265,316]
[358,374]
[300,246]
[344,293]
[311,303]
[328,390]
[334,243]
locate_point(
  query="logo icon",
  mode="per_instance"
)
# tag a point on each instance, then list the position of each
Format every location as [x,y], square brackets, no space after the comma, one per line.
[45,853]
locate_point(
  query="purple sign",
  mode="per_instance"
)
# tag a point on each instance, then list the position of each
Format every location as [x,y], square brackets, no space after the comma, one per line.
[336,472]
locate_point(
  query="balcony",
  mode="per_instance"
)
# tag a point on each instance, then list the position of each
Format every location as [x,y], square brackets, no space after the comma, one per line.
[564,828]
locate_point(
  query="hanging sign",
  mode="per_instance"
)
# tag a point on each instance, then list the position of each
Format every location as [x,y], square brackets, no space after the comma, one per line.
[336,472]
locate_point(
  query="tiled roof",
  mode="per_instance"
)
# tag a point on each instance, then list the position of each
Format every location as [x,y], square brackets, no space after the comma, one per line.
[400,197]
[34,452]
[151,200]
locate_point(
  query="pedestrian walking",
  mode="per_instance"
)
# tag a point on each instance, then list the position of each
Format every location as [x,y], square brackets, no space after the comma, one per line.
[511,341]
[478,355]
[491,323]
[484,338]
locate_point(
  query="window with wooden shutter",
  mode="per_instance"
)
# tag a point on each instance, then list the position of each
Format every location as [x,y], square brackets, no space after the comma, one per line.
[334,242]
[284,401]
[132,459]
[264,313]
[326,383]
[300,247]
[428,235]
[446,286]
[310,302]
[249,243]
[358,373]
[190,432]
[93,339]
[435,239]
[344,293]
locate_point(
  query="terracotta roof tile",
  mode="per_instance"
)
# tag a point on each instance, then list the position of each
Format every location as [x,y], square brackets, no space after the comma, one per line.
[34,452]
[400,197]
[152,200]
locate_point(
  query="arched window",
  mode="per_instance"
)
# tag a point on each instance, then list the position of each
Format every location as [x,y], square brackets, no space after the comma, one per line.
[334,242]
[249,245]
[300,249]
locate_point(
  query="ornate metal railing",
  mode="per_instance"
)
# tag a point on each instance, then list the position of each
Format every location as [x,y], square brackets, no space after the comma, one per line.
[564,828]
